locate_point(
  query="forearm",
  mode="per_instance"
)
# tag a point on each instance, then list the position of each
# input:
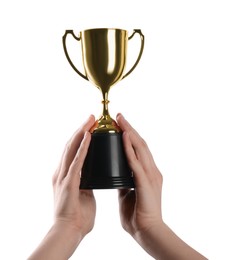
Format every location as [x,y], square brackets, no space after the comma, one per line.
[59,244]
[163,244]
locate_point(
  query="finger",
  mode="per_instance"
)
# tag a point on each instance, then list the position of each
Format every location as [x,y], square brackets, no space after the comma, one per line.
[125,125]
[77,164]
[140,147]
[134,163]
[122,193]
[76,138]
[87,193]
[127,202]
[133,134]
[72,147]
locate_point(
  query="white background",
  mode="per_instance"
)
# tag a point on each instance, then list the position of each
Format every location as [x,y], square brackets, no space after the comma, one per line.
[179,98]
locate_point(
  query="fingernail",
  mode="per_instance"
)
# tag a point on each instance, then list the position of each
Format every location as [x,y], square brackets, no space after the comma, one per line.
[87,120]
[119,114]
[90,117]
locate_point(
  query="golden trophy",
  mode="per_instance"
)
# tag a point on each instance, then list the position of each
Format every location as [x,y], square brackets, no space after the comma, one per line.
[104,53]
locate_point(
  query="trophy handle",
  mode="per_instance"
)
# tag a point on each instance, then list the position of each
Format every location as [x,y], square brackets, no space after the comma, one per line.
[141,50]
[66,52]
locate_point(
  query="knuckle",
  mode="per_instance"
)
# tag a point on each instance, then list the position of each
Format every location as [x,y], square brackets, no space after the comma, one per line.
[143,143]
[68,146]
[160,177]
[132,160]
[78,161]
[54,178]
[68,186]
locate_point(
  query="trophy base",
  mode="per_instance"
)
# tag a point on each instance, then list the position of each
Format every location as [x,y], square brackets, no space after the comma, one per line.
[105,165]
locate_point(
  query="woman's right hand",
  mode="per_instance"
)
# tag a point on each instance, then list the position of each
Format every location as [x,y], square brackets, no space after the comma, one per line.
[140,209]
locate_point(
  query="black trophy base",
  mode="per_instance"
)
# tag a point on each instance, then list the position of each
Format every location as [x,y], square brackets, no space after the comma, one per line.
[106,166]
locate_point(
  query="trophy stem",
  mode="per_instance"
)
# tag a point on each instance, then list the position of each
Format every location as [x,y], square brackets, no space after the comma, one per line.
[105,102]
[105,124]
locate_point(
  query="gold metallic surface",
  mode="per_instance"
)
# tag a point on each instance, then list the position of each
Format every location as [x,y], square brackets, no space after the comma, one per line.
[104,53]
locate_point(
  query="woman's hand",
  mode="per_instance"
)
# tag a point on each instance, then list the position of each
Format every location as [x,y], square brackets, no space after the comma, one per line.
[75,209]
[73,206]
[140,209]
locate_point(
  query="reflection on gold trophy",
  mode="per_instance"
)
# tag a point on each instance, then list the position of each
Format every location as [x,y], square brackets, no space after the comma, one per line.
[104,53]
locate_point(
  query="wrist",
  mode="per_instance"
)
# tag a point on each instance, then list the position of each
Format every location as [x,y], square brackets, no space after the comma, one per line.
[67,228]
[60,242]
[150,238]
[162,243]
[67,237]
[148,231]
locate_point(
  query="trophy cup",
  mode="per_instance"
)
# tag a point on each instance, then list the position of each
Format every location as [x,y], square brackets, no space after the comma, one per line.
[104,54]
